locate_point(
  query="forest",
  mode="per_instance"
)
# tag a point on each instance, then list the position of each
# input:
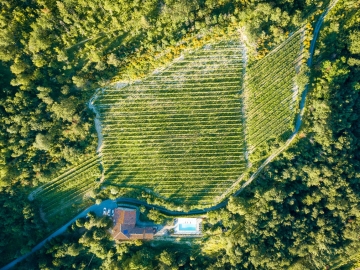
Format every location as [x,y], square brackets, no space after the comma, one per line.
[302,212]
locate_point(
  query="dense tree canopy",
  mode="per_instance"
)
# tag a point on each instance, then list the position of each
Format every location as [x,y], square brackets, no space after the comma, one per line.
[302,212]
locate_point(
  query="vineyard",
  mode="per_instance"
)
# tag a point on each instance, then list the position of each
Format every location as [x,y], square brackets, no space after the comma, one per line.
[178,132]
[271,95]
[69,188]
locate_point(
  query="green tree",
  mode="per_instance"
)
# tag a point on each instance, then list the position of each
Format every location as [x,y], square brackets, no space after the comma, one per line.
[42,142]
[166,258]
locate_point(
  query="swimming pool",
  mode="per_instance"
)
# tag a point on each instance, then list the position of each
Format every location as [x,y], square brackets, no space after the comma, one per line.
[187,227]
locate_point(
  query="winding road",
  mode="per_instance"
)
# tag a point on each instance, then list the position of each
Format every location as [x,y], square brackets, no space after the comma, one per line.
[301,106]
[98,210]
[113,203]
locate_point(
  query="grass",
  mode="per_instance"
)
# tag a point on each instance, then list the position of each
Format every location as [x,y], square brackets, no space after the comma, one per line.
[178,132]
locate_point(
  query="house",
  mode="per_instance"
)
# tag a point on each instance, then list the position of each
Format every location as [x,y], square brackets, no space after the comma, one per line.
[125,226]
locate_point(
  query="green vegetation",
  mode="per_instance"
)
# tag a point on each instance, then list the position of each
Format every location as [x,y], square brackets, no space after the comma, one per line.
[302,212]
[183,126]
[87,245]
[21,230]
[172,127]
[64,193]
[271,95]
[180,127]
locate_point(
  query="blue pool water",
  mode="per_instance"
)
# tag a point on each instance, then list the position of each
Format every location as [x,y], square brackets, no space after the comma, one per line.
[187,227]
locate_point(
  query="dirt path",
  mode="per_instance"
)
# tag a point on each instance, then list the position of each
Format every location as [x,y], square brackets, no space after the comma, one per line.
[98,128]
[97,120]
[246,41]
[98,125]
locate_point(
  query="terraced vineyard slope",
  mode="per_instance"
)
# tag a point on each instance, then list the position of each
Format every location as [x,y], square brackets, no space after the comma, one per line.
[67,189]
[179,132]
[271,94]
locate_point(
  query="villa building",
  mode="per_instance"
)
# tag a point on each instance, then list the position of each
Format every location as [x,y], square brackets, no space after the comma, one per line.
[125,226]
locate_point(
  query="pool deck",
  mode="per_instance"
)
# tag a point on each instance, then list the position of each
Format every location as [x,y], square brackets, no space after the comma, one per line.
[187,226]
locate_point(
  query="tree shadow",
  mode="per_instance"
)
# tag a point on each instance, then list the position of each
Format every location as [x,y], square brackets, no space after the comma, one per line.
[193,200]
[116,177]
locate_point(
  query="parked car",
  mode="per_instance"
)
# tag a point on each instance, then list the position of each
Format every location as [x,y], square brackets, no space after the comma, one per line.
[104,211]
[108,212]
[112,212]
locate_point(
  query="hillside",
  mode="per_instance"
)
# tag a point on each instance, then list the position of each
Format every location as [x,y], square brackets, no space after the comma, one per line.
[242,112]
[180,127]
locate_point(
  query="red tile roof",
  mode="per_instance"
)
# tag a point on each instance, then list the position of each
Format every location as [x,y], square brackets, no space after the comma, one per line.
[125,226]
